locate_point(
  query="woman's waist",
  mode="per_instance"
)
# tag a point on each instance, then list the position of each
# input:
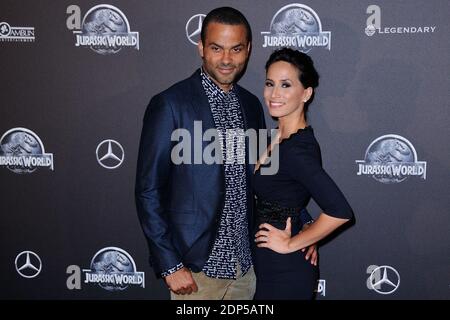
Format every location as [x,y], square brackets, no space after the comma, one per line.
[270,211]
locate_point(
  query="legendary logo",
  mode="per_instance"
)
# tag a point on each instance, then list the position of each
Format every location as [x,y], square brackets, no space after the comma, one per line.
[110,154]
[21,151]
[391,159]
[383,279]
[18,34]
[28,264]
[373,25]
[194,28]
[104,29]
[113,269]
[298,26]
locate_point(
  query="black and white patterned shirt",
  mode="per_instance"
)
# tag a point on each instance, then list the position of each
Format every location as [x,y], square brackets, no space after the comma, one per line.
[232,241]
[231,245]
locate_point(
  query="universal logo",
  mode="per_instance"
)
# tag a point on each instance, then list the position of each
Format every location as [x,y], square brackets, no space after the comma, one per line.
[22,151]
[104,29]
[298,26]
[391,159]
[112,268]
[17,34]
[321,287]
[373,25]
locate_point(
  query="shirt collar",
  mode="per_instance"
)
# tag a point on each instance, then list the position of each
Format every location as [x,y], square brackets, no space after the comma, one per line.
[211,83]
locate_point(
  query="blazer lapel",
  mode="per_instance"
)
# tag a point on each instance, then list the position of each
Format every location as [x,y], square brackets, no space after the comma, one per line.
[244,108]
[200,103]
[249,122]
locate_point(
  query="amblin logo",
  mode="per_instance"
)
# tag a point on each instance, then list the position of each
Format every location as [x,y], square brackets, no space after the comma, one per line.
[104,29]
[391,159]
[298,26]
[373,25]
[22,151]
[113,269]
[16,34]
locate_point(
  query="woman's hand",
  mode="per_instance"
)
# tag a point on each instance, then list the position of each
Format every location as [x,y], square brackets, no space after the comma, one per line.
[275,239]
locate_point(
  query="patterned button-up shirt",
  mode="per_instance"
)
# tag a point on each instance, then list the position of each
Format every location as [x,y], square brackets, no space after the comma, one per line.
[232,241]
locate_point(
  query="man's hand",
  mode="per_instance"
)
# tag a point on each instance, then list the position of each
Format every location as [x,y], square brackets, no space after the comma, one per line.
[313,251]
[181,282]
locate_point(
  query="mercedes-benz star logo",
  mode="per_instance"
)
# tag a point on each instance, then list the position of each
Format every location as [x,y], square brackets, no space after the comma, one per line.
[194,28]
[389,282]
[110,154]
[28,264]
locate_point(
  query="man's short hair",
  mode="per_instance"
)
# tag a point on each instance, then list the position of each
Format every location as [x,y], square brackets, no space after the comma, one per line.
[226,15]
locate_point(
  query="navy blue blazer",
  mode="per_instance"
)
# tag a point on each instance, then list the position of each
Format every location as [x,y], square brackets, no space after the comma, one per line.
[179,205]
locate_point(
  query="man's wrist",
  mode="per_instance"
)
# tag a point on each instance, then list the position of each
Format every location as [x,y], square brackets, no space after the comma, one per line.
[172,270]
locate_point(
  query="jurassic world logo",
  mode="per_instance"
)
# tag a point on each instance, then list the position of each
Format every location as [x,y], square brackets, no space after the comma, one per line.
[296,26]
[22,151]
[113,269]
[391,159]
[104,29]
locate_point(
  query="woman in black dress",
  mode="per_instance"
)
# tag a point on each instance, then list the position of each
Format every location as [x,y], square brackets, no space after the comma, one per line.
[281,268]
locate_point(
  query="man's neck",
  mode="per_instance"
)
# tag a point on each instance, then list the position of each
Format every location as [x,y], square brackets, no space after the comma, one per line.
[224,88]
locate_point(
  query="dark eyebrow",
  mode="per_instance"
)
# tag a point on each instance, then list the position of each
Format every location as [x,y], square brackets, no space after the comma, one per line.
[221,47]
[215,44]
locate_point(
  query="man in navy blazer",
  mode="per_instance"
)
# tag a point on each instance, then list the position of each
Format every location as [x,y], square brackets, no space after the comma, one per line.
[197,217]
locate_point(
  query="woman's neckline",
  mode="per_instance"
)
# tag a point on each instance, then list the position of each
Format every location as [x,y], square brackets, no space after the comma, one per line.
[269,152]
[308,127]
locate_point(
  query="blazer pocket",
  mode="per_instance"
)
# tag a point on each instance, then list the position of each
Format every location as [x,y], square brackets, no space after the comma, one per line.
[186,217]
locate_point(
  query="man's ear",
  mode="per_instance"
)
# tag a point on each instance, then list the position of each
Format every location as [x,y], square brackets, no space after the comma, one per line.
[249,47]
[200,47]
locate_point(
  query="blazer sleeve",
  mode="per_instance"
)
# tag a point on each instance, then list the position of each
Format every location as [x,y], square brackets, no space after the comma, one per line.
[306,168]
[152,178]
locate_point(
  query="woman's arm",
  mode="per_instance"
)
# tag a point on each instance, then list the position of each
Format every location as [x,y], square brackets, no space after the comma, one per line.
[281,241]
